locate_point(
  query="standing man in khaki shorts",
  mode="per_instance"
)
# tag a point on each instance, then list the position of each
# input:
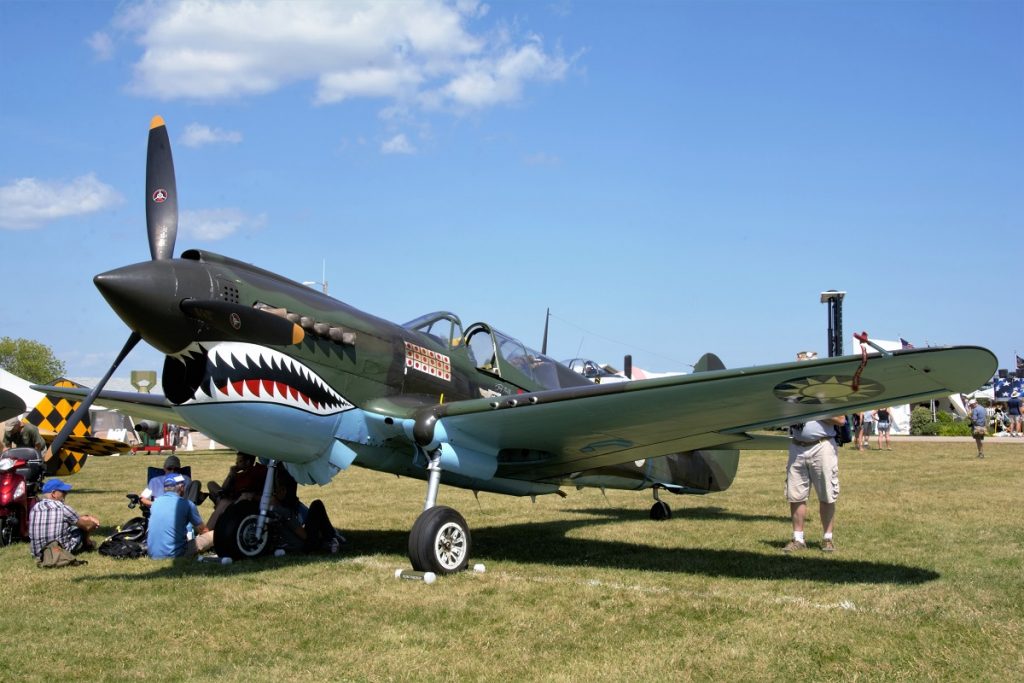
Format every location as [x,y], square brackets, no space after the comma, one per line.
[813,461]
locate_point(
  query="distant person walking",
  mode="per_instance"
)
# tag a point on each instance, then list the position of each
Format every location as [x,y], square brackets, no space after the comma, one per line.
[979,424]
[883,421]
[858,430]
[1013,410]
[869,428]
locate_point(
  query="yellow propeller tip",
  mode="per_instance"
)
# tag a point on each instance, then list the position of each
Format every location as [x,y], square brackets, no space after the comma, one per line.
[156,122]
[298,334]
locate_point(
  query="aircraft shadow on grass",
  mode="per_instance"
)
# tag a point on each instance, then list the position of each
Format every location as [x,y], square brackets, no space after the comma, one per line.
[550,543]
[707,513]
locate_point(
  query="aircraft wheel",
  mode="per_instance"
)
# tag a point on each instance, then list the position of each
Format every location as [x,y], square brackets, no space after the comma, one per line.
[8,530]
[235,535]
[661,511]
[439,541]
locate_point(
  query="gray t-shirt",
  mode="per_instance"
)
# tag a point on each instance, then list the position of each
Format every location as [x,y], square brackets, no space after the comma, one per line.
[812,430]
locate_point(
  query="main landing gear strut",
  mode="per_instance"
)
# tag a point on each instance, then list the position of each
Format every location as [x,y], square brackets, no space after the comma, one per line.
[439,541]
[660,511]
[243,531]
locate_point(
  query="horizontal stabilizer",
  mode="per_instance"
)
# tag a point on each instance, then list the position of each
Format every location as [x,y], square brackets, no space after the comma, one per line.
[90,445]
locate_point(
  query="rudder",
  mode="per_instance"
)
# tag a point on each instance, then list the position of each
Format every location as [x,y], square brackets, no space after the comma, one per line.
[50,415]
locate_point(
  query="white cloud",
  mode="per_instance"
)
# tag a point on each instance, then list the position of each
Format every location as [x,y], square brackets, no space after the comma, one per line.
[29,203]
[500,79]
[417,51]
[397,145]
[102,46]
[197,135]
[210,225]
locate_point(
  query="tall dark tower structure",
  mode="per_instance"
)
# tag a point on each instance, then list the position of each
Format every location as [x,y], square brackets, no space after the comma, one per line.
[834,300]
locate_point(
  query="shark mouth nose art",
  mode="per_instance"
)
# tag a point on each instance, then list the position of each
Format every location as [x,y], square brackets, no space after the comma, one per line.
[230,372]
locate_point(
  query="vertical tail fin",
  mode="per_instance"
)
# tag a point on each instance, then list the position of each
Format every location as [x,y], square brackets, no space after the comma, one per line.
[49,416]
[708,362]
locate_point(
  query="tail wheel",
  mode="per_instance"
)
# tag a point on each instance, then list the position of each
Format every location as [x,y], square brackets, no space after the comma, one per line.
[661,511]
[440,541]
[235,535]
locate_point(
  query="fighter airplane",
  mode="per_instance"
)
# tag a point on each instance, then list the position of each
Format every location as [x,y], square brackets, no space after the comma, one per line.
[271,367]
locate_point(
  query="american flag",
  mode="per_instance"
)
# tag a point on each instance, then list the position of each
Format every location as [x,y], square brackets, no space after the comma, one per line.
[904,344]
[1003,387]
[1020,364]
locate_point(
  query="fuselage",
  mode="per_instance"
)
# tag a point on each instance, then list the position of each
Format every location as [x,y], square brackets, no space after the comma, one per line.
[343,386]
[347,389]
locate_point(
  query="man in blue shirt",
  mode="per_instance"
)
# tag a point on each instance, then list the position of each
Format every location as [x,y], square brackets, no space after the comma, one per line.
[1014,411]
[171,514]
[979,424]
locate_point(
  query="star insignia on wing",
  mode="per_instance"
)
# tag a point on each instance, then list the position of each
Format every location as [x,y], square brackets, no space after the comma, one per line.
[826,389]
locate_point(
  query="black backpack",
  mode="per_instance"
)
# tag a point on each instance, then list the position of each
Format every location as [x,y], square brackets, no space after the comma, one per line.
[122,548]
[128,543]
[843,433]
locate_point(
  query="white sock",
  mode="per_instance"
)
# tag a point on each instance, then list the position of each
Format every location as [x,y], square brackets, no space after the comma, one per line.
[798,536]
[828,536]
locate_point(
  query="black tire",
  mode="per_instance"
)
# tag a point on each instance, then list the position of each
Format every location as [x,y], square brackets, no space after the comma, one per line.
[235,535]
[9,530]
[661,511]
[440,541]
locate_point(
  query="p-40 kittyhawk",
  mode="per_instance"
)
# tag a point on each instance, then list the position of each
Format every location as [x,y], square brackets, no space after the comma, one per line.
[273,368]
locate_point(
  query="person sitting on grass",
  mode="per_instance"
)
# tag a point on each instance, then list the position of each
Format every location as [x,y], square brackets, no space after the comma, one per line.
[244,481]
[52,520]
[167,536]
[297,532]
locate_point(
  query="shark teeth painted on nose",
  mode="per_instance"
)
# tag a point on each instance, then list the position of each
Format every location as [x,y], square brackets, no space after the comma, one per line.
[237,371]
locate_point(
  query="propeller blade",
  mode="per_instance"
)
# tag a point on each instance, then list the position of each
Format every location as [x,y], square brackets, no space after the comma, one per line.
[544,344]
[244,323]
[83,409]
[161,193]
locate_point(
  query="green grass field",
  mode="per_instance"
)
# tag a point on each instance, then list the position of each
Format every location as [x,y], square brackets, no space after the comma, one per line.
[927,584]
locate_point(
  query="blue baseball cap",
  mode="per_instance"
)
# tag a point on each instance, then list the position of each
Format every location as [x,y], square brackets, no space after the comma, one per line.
[52,485]
[173,480]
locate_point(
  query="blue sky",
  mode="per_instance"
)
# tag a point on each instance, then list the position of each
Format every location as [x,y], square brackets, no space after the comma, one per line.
[669,178]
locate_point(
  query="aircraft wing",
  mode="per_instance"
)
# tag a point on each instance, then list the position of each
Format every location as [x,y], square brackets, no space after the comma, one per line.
[140,406]
[556,433]
[11,405]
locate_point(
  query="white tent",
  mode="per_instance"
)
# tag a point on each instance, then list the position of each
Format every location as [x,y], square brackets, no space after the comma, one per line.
[953,403]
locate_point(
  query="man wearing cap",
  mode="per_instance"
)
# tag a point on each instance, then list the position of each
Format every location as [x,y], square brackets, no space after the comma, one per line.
[51,519]
[22,435]
[155,488]
[167,536]
[1013,410]
[979,424]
